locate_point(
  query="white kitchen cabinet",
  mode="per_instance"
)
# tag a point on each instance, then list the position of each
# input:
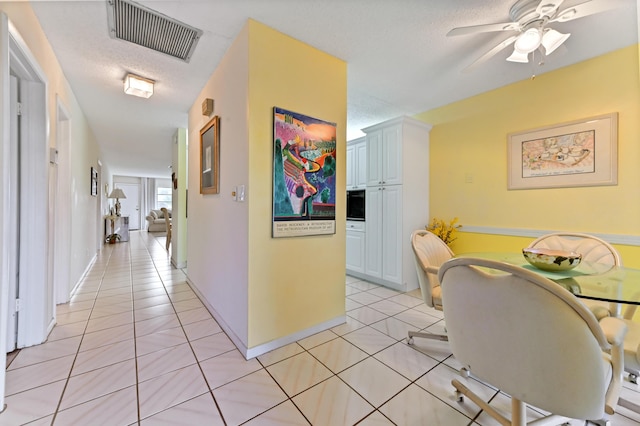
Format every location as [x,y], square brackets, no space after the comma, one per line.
[355,247]
[384,233]
[356,164]
[384,156]
[397,199]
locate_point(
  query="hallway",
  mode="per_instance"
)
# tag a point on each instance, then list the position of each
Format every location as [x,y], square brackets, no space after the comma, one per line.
[136,346]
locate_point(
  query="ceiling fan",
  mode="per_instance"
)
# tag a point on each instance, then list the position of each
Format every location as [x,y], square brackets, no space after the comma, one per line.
[530,19]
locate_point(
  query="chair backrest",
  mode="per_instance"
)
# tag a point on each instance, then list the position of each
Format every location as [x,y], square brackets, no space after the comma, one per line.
[167,221]
[525,335]
[429,253]
[167,218]
[593,249]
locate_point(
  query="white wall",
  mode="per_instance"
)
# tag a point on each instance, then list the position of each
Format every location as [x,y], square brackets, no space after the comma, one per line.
[179,166]
[84,150]
[217,233]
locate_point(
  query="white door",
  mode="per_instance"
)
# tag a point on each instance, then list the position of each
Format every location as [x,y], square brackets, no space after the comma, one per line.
[391,156]
[392,240]
[373,227]
[355,249]
[130,206]
[374,158]
[361,165]
[351,167]
[12,236]
[62,250]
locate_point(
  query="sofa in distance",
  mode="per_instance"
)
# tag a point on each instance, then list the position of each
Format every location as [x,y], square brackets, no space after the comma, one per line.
[155,220]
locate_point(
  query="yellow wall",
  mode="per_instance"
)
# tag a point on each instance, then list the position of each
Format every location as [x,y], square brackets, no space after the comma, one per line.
[264,290]
[294,283]
[469,139]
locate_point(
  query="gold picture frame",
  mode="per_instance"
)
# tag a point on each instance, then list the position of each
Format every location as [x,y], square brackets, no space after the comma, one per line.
[577,153]
[210,157]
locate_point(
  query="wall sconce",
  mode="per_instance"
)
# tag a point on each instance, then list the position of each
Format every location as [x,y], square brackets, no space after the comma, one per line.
[207,106]
[138,86]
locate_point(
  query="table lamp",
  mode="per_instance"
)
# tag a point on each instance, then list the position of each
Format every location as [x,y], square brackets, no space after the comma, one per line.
[117,194]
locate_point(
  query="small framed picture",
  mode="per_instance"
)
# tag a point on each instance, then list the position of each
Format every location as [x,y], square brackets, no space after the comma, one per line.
[94,182]
[210,157]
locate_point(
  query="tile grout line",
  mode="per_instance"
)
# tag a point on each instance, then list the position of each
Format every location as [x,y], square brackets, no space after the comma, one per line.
[289,398]
[135,340]
[375,409]
[210,391]
[439,362]
[442,362]
[84,332]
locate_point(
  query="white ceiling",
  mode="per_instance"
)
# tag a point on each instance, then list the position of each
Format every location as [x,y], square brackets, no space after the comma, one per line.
[399,59]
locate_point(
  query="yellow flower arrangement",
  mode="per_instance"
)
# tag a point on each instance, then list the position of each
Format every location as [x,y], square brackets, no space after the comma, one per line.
[446,231]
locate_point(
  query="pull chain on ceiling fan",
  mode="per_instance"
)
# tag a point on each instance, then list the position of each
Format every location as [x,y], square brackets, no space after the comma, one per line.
[530,19]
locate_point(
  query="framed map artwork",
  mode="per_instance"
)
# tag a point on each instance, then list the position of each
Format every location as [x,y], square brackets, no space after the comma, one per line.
[578,153]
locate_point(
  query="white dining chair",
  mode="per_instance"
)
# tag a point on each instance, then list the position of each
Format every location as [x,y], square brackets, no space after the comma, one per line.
[532,339]
[167,221]
[632,350]
[592,249]
[632,361]
[429,253]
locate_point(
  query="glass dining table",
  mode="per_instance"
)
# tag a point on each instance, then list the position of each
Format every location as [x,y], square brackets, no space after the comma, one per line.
[595,281]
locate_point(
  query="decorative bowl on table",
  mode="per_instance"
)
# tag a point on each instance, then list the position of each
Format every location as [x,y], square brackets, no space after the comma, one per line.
[552,260]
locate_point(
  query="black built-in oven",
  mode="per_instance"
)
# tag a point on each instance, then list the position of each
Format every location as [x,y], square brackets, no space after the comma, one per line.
[355,204]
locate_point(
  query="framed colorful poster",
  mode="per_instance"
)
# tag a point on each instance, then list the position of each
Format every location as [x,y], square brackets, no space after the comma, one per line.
[304,175]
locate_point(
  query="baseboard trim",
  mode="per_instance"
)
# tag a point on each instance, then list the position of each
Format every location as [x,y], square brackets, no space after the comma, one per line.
[256,351]
[84,274]
[403,288]
[225,327]
[176,265]
[283,341]
[628,240]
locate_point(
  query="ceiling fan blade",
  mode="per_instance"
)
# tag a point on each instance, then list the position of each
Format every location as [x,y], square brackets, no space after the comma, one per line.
[486,28]
[548,7]
[581,10]
[482,59]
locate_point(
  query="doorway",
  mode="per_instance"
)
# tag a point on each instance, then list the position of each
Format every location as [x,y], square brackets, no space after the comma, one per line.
[130,206]
[30,304]
[62,230]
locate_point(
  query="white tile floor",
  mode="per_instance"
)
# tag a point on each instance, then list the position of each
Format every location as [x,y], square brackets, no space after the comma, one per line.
[136,346]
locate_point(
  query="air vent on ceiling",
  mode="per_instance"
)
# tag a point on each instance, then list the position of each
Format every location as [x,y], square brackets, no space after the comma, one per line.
[140,25]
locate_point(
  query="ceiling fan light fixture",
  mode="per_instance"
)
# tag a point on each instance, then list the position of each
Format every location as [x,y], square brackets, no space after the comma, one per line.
[516,56]
[138,86]
[528,41]
[552,39]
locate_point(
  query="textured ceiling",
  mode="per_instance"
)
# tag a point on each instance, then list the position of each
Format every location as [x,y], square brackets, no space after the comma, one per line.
[399,59]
